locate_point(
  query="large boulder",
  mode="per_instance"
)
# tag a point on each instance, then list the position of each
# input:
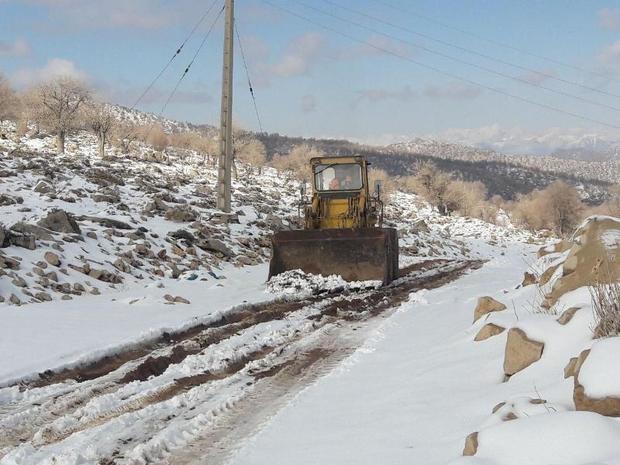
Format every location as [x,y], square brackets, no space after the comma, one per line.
[60,221]
[39,233]
[596,378]
[487,305]
[594,258]
[215,245]
[521,351]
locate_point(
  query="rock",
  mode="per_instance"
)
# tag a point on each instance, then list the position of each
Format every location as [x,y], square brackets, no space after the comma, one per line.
[183,234]
[38,232]
[487,331]
[106,222]
[52,258]
[528,279]
[224,218]
[181,214]
[19,282]
[9,263]
[274,223]
[548,274]
[43,187]
[104,177]
[43,296]
[27,241]
[60,221]
[594,258]
[520,351]
[122,265]
[181,300]
[105,276]
[608,405]
[558,247]
[6,200]
[66,297]
[91,234]
[471,445]
[487,305]
[15,300]
[215,245]
[168,298]
[567,315]
[569,369]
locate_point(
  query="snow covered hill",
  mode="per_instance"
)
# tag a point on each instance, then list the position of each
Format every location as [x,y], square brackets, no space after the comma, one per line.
[137,327]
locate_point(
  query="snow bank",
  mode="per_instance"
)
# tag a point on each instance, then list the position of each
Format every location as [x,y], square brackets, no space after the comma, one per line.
[600,373]
[299,284]
[567,438]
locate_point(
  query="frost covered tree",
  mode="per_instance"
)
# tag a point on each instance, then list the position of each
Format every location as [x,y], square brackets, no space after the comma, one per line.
[101,121]
[60,103]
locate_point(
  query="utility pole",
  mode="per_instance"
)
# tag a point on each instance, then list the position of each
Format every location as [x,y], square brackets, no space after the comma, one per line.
[226,142]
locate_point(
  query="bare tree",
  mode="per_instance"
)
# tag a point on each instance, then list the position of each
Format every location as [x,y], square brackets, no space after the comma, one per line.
[296,163]
[253,153]
[466,198]
[101,121]
[123,135]
[557,207]
[9,102]
[564,205]
[60,103]
[432,184]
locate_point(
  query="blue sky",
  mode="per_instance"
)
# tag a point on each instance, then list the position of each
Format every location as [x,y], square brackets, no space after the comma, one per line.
[311,81]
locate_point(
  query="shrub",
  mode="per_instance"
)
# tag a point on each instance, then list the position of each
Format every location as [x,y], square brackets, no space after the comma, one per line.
[606,304]
[431,184]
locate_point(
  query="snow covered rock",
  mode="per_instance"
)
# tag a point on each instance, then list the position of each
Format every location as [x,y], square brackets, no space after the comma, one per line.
[486,305]
[520,352]
[594,257]
[567,438]
[597,378]
[489,330]
[60,221]
[558,247]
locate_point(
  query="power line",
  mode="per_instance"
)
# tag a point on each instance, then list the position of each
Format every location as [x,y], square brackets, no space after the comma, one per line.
[495,42]
[473,52]
[438,70]
[177,53]
[460,60]
[204,40]
[247,73]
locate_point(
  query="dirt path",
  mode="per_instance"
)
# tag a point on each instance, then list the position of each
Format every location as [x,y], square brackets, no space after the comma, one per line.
[192,396]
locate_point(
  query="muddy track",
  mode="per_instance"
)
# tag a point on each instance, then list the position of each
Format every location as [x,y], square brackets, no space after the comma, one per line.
[204,382]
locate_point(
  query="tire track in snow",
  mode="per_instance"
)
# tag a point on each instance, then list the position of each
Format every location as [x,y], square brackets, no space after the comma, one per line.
[257,357]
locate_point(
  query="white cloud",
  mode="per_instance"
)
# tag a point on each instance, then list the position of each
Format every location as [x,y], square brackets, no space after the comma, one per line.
[452,91]
[54,68]
[537,77]
[111,14]
[301,55]
[380,95]
[17,48]
[609,18]
[610,55]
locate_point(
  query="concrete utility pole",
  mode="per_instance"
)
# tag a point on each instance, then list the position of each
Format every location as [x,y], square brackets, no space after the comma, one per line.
[226,142]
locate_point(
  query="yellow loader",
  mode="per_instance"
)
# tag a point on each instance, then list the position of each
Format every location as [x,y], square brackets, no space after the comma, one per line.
[343,233]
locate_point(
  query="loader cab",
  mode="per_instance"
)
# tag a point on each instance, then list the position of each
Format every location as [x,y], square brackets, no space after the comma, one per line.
[334,175]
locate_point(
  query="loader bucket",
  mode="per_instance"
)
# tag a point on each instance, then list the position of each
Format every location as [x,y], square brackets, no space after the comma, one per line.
[355,254]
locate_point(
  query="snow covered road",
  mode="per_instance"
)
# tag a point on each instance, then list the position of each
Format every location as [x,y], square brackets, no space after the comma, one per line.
[193,395]
[409,395]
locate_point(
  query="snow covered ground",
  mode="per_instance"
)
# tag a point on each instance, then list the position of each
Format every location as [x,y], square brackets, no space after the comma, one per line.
[411,394]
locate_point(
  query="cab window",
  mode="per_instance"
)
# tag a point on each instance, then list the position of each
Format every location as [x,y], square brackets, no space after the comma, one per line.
[338,177]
